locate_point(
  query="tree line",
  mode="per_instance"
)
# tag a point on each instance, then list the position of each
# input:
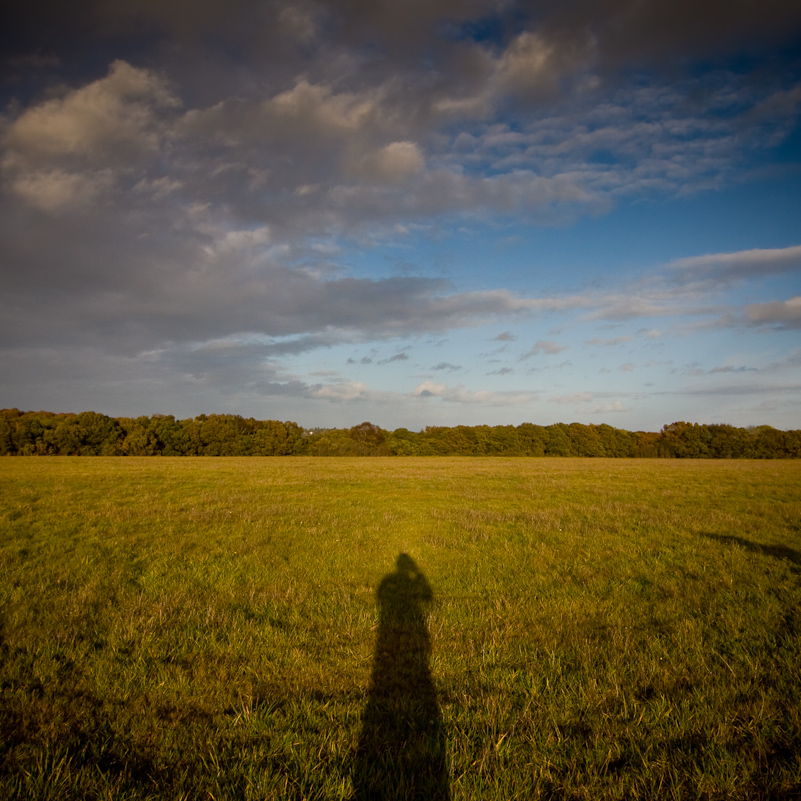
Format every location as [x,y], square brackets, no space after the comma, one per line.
[94,434]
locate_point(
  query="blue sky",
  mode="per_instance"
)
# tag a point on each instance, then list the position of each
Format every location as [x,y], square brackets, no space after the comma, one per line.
[440,213]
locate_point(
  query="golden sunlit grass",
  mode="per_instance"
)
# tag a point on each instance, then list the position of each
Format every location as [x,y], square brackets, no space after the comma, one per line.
[204,628]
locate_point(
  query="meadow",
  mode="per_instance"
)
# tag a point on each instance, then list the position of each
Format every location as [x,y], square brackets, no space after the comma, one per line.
[207,628]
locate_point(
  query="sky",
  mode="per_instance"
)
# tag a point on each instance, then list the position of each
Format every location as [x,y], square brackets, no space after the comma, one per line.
[412,212]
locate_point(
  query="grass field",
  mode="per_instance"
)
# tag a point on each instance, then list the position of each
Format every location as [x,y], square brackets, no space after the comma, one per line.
[554,628]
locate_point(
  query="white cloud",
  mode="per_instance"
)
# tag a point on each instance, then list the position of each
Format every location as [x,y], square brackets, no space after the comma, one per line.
[533,65]
[460,395]
[603,408]
[391,164]
[118,111]
[585,405]
[346,391]
[429,388]
[319,108]
[577,397]
[744,264]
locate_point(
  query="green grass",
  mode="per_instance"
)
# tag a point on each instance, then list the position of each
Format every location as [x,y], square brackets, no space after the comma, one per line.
[205,628]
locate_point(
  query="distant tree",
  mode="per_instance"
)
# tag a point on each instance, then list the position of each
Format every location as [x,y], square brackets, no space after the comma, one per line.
[91,433]
[84,434]
[456,441]
[69,436]
[334,442]
[370,439]
[103,434]
[169,434]
[140,439]
[646,444]
[402,442]
[585,440]
[687,440]
[616,442]
[497,441]
[770,443]
[272,438]
[726,442]
[532,439]
[6,440]
[558,440]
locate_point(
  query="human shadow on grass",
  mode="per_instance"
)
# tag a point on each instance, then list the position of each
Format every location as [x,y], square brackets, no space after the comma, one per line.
[776,551]
[401,753]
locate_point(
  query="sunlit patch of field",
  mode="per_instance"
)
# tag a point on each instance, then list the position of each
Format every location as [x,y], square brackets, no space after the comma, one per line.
[204,628]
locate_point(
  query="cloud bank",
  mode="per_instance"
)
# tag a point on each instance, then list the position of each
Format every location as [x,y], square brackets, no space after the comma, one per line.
[217,195]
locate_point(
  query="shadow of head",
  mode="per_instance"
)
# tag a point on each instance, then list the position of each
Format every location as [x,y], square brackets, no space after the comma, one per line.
[406,565]
[781,552]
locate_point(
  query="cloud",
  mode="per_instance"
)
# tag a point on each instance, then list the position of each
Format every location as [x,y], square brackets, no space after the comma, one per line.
[661,33]
[115,282]
[544,346]
[779,313]
[724,268]
[533,65]
[67,152]
[585,405]
[216,194]
[603,408]
[626,33]
[729,369]
[398,357]
[578,397]
[345,391]
[54,190]
[690,287]
[116,115]
[391,164]
[460,395]
[607,342]
[631,307]
[746,389]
